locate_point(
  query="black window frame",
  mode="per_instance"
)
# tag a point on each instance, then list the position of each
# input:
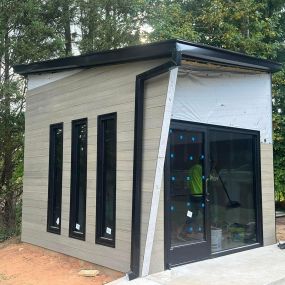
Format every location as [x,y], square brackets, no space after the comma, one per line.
[73,184]
[100,239]
[51,189]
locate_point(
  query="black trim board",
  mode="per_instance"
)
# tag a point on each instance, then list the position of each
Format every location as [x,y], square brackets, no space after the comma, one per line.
[163,49]
[137,166]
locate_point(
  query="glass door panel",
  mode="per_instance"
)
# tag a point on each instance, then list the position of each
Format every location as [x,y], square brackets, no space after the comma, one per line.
[232,189]
[212,191]
[187,175]
[187,200]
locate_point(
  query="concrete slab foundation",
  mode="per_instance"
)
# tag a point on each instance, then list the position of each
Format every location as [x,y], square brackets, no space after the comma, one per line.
[261,266]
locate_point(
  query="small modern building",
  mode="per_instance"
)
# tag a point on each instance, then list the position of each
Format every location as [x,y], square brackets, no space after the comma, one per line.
[148,157]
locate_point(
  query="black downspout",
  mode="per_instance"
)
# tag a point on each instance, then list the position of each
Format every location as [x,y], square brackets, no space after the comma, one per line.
[138,153]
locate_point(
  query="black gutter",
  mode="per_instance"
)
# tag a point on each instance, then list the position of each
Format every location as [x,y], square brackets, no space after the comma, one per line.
[156,50]
[138,156]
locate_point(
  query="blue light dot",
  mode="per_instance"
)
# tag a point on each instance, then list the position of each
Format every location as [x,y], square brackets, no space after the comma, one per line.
[188,178]
[190,229]
[193,139]
[172,208]
[202,156]
[188,204]
[199,229]
[203,177]
[181,137]
[170,131]
[203,205]
[190,157]
[172,155]
[173,178]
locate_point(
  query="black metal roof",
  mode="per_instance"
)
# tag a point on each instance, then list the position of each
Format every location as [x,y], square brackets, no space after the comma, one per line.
[164,49]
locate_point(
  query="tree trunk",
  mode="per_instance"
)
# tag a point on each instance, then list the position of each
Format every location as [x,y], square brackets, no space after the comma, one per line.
[7,167]
[67,30]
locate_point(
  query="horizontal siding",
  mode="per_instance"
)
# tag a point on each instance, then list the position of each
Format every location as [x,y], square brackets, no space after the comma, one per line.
[88,93]
[153,116]
[267,184]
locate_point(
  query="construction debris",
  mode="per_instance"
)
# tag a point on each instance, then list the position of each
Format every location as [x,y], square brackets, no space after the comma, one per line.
[88,273]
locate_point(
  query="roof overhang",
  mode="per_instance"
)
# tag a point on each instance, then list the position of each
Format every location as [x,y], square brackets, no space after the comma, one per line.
[170,49]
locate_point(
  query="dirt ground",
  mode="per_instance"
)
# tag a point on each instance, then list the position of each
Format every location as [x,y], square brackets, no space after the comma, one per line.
[280,228]
[25,264]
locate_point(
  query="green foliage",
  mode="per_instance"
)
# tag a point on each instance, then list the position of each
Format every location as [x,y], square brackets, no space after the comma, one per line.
[242,25]
[25,36]
[109,24]
[170,19]
[279,133]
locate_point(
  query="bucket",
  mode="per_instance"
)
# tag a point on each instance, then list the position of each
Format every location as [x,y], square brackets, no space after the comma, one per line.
[216,239]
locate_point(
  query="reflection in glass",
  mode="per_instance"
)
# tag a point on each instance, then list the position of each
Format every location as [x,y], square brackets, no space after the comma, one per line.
[78,177]
[106,179]
[55,177]
[232,190]
[109,177]
[186,186]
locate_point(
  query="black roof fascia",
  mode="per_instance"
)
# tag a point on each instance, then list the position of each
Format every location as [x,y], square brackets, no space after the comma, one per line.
[163,49]
[227,57]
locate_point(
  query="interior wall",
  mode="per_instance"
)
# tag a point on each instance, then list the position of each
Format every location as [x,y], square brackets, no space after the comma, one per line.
[226,99]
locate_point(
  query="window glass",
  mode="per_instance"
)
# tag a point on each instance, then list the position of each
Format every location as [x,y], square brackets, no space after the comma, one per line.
[78,178]
[106,176]
[55,178]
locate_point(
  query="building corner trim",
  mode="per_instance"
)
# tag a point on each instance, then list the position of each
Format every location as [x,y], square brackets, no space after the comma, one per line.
[137,166]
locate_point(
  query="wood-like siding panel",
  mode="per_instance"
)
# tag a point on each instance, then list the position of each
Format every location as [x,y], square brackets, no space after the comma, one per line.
[89,93]
[267,184]
[153,116]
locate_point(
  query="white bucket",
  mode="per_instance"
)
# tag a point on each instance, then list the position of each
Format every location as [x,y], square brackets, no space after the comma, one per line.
[216,239]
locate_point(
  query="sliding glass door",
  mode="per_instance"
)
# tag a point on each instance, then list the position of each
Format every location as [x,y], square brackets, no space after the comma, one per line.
[232,187]
[212,191]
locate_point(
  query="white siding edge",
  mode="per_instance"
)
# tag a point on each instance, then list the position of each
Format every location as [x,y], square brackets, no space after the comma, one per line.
[159,172]
[41,79]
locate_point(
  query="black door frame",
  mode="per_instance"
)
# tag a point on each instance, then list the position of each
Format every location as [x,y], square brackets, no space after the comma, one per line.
[257,184]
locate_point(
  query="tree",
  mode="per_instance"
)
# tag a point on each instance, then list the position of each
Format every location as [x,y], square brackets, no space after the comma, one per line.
[172,19]
[279,134]
[242,25]
[25,36]
[108,24]
[61,15]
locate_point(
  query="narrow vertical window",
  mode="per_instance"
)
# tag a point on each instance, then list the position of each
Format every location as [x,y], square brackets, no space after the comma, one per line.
[55,178]
[106,179]
[78,179]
